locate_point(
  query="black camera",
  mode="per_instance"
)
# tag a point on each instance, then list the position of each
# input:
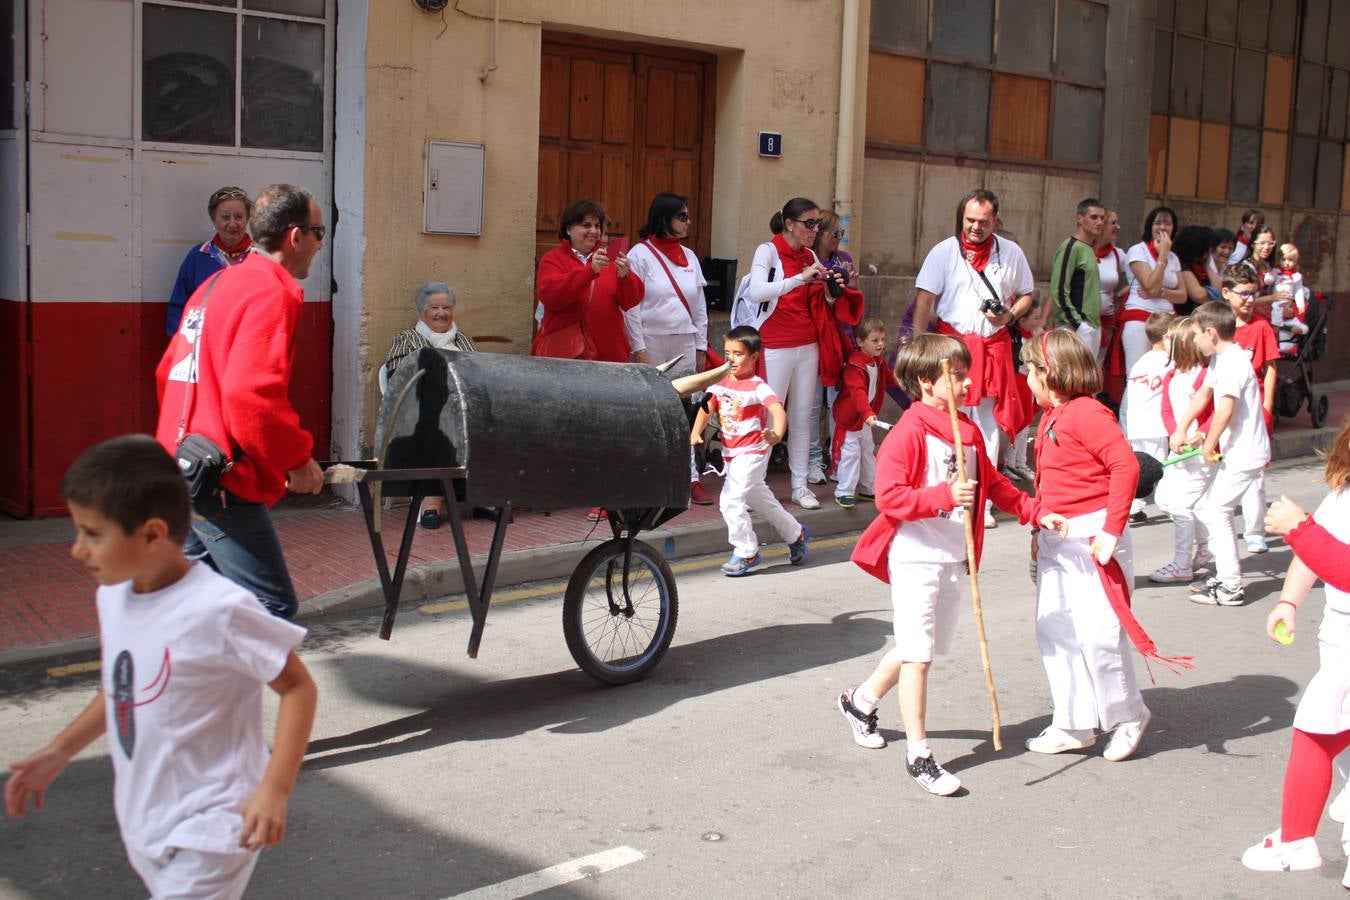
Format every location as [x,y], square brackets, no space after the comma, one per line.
[832,284]
[994,306]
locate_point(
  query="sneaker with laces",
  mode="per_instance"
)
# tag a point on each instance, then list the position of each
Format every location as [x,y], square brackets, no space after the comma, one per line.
[845,502]
[865,496]
[1057,740]
[803,497]
[1273,855]
[1203,559]
[797,549]
[739,565]
[932,777]
[815,474]
[1226,595]
[1125,739]
[1204,592]
[863,725]
[1257,545]
[1171,574]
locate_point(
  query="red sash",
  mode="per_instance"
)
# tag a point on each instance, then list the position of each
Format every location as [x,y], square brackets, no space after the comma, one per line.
[993,373]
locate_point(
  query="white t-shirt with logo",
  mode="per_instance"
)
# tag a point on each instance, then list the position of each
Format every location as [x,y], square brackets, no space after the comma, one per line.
[961,291]
[184,669]
[1245,445]
[942,538]
[1140,253]
[1141,408]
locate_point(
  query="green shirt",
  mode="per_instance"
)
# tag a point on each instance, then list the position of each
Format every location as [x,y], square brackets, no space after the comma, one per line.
[1075,285]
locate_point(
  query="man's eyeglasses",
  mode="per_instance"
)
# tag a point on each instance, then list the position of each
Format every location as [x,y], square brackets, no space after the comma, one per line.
[317,230]
[808,224]
[682,216]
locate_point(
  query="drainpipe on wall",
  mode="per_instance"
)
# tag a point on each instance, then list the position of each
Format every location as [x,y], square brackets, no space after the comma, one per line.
[848,87]
[487,70]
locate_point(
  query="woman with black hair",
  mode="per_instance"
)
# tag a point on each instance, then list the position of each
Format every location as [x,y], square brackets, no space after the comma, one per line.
[1193,246]
[1155,285]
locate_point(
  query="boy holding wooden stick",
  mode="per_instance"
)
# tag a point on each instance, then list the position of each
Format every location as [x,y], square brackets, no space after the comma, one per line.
[917,543]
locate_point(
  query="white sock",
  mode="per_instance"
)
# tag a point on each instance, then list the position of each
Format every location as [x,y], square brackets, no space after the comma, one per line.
[917,749]
[863,703]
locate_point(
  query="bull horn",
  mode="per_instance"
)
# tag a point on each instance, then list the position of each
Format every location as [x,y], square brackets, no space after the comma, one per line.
[669,364]
[692,384]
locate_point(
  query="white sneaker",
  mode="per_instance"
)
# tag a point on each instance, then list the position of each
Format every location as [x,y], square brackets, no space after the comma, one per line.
[932,777]
[864,725]
[1171,574]
[815,474]
[1270,855]
[1057,740]
[1125,739]
[1339,810]
[1257,545]
[803,497]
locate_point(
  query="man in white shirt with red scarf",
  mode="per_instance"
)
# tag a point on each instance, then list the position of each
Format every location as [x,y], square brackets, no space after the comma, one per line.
[979,283]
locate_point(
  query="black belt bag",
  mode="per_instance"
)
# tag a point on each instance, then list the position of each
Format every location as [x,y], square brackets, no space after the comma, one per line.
[203,463]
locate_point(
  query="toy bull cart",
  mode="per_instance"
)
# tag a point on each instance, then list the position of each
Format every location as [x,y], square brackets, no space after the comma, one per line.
[497,431]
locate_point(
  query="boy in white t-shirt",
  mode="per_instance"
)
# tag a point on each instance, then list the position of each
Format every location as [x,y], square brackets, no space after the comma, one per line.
[185,656]
[1237,431]
[744,402]
[1141,408]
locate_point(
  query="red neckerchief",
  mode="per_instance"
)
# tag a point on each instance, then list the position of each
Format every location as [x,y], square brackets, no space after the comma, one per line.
[670,248]
[976,254]
[1201,272]
[1242,239]
[1152,250]
[1103,252]
[938,423]
[236,253]
[1287,273]
[803,257]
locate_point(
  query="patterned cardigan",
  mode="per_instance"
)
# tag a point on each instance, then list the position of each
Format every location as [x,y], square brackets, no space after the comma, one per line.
[410,341]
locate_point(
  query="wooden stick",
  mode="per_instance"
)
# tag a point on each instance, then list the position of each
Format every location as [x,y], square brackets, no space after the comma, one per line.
[971,561]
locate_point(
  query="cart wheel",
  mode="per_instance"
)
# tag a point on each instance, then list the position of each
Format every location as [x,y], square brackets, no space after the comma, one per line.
[1318,409]
[617,639]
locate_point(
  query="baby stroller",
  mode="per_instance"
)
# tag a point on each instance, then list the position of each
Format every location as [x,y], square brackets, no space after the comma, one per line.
[1295,384]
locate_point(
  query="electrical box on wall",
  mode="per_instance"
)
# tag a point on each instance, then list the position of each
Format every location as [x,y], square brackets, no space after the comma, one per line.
[452,199]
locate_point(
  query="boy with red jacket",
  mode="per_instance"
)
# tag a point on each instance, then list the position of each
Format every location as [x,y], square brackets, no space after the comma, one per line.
[855,412]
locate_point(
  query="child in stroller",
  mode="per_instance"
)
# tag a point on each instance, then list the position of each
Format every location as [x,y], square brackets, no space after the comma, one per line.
[1295,386]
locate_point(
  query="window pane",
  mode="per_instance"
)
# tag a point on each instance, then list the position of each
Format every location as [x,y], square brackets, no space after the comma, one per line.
[1026,31]
[283,84]
[1253,20]
[294,7]
[1283,26]
[187,91]
[1308,106]
[1218,81]
[1191,17]
[1338,47]
[900,26]
[1162,71]
[958,118]
[964,29]
[1084,54]
[1244,165]
[1249,87]
[895,99]
[1078,125]
[1316,18]
[1187,69]
[1020,117]
[1221,19]
[1327,192]
[1338,95]
[1302,171]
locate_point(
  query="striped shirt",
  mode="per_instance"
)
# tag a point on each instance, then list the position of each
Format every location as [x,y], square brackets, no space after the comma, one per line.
[742,407]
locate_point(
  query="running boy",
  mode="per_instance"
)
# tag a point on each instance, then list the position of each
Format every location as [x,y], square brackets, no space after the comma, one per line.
[1141,411]
[1237,430]
[855,412]
[917,543]
[1255,335]
[743,402]
[185,655]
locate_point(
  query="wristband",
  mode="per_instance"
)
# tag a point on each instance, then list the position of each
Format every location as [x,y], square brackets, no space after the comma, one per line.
[1289,602]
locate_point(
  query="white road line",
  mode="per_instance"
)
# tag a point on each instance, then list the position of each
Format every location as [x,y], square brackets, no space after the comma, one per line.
[574,870]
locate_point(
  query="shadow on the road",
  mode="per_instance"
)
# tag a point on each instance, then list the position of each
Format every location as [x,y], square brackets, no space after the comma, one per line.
[339,842]
[570,702]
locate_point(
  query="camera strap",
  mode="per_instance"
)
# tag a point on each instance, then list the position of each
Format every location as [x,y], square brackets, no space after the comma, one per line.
[189,389]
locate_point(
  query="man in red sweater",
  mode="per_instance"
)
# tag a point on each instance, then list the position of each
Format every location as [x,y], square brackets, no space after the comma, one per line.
[234,390]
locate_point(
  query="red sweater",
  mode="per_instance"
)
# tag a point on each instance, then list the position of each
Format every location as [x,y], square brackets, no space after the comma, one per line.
[564,289]
[244,360]
[853,406]
[1328,558]
[1084,463]
[904,496]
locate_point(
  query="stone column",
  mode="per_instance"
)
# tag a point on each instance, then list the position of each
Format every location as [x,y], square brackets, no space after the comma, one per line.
[1125,120]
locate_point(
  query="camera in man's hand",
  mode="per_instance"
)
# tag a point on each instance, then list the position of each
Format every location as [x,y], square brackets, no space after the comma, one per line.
[994,307]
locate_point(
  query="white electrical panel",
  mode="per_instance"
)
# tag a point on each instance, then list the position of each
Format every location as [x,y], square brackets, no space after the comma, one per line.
[452,199]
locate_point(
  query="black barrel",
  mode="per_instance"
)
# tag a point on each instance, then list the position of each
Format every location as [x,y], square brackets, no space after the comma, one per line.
[537,432]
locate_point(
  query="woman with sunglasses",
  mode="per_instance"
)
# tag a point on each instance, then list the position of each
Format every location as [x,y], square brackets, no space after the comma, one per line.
[229,209]
[828,236]
[799,328]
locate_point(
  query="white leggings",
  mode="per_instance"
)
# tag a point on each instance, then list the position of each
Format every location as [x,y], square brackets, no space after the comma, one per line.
[1134,343]
[794,375]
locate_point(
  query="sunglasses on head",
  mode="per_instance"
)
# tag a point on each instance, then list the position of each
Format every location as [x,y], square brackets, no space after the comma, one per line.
[229,194]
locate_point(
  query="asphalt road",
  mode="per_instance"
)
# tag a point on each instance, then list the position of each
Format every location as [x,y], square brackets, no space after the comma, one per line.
[729,773]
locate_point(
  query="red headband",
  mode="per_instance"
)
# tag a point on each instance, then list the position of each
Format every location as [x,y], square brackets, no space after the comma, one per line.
[1045,349]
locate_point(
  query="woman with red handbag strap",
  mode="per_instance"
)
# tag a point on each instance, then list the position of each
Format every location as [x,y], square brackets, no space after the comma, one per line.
[584,292]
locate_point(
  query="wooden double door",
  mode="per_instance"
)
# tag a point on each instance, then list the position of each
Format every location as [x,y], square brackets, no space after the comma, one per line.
[620,123]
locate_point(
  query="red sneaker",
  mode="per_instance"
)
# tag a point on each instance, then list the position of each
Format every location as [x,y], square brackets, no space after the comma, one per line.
[698,495]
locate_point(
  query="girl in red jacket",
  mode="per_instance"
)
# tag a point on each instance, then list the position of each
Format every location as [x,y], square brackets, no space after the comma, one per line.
[855,412]
[1086,470]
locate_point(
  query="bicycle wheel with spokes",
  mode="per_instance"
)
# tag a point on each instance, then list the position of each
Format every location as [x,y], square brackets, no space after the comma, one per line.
[618,633]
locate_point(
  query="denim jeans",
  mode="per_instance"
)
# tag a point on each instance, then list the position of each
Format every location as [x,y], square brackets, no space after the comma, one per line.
[237,539]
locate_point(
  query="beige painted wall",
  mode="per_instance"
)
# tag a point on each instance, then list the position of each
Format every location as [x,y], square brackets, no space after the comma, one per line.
[778,70]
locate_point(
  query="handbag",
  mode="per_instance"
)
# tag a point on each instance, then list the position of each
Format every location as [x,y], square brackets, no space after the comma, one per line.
[568,342]
[201,460]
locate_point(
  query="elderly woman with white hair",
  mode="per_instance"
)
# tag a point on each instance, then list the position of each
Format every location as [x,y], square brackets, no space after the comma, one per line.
[435,328]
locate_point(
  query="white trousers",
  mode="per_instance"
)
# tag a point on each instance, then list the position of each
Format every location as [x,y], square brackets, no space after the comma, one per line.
[664,347]
[1134,342]
[983,417]
[1254,510]
[183,874]
[744,487]
[1085,650]
[1092,337]
[1182,486]
[1215,511]
[857,463]
[794,375]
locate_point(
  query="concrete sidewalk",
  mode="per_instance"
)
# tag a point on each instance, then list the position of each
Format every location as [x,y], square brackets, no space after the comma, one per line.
[47,602]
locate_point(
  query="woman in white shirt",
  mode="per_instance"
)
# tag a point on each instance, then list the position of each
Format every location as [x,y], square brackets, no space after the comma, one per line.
[1154,274]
